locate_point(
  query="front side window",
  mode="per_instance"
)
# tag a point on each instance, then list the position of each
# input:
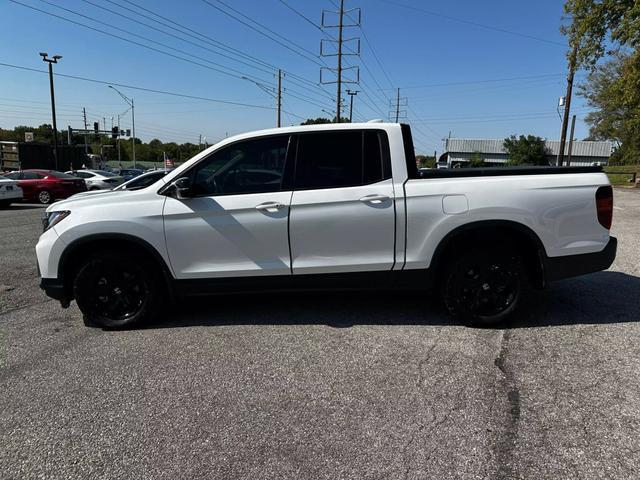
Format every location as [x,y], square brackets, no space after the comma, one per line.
[252,166]
[341,159]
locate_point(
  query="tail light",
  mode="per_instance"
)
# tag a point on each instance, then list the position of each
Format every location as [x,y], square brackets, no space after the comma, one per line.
[604,205]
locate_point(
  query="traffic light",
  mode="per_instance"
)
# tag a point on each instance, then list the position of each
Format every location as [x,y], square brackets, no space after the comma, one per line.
[128,132]
[114,132]
[96,127]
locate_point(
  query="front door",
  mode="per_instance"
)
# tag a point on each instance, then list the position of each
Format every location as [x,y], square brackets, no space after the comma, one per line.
[236,222]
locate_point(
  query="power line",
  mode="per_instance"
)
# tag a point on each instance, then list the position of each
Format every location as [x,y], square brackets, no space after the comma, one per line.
[217,44]
[469,22]
[473,82]
[224,72]
[144,89]
[302,15]
[311,58]
[251,65]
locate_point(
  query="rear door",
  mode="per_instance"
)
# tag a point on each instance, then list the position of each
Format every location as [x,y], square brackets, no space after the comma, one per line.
[343,206]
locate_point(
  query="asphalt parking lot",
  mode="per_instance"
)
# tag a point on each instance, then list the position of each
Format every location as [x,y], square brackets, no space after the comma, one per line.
[323,386]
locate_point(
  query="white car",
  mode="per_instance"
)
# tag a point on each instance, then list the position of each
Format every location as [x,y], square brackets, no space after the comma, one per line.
[326,206]
[10,192]
[98,179]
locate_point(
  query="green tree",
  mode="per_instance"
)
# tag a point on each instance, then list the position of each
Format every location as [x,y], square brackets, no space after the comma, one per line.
[609,28]
[424,161]
[477,160]
[321,120]
[529,150]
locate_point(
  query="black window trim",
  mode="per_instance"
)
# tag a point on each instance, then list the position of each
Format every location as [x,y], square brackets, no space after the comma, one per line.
[384,151]
[287,162]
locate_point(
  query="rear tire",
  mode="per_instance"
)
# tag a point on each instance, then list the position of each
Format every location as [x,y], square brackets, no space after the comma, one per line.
[484,287]
[44,197]
[116,290]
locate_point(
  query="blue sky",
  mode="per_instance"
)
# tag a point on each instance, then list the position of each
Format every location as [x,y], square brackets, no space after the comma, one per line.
[463,66]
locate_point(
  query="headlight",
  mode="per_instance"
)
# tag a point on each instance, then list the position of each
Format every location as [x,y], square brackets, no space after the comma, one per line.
[49,219]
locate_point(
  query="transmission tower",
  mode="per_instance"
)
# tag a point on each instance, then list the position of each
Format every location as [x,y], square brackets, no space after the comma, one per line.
[340,47]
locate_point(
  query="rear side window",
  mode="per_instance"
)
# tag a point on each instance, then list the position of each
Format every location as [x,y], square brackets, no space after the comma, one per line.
[341,159]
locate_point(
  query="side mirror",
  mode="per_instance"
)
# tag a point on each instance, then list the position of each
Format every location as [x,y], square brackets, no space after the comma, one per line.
[182,188]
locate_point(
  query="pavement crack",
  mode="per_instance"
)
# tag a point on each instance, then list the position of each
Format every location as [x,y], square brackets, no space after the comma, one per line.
[506,438]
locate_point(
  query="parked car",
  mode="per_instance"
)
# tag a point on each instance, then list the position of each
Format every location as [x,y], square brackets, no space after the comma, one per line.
[136,183]
[128,173]
[350,209]
[46,185]
[10,192]
[98,179]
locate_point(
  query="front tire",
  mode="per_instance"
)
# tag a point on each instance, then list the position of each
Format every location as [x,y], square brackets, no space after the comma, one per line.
[485,286]
[116,290]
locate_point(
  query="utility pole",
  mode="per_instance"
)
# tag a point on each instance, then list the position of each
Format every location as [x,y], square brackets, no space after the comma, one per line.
[279,96]
[51,61]
[573,126]
[339,70]
[399,102]
[339,92]
[351,93]
[565,120]
[84,116]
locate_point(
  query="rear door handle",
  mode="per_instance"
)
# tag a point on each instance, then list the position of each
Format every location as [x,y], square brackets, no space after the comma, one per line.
[374,198]
[271,207]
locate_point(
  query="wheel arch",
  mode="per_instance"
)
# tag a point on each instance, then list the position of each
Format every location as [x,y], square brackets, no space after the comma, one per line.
[526,241]
[72,256]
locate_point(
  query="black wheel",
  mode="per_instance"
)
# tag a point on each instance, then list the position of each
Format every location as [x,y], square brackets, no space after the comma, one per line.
[116,290]
[5,204]
[44,197]
[484,287]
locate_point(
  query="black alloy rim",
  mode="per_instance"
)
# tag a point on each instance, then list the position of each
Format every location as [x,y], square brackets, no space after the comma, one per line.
[488,289]
[117,293]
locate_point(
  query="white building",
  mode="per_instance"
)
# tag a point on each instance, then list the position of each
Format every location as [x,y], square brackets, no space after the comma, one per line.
[461,150]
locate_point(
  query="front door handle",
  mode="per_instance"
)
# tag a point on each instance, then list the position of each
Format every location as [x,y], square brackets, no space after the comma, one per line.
[374,198]
[271,207]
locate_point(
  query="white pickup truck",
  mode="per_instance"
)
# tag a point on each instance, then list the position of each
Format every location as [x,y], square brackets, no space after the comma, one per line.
[326,206]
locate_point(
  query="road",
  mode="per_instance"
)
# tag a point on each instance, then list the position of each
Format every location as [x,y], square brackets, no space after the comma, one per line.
[323,386]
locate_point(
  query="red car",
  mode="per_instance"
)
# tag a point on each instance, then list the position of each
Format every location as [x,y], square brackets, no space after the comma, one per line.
[44,186]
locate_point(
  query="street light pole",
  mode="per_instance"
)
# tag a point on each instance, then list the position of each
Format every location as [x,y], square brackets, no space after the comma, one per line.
[351,93]
[51,61]
[133,126]
[133,120]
